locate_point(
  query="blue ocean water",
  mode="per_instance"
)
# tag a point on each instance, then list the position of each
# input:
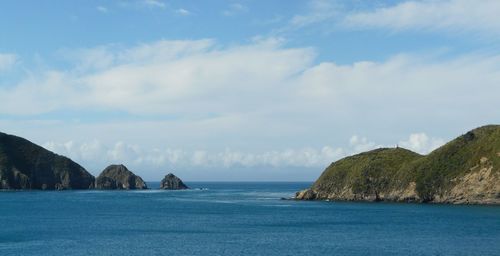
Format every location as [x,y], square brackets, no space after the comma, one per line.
[236,219]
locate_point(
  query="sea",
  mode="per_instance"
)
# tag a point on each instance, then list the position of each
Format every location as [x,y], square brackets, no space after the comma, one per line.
[236,218]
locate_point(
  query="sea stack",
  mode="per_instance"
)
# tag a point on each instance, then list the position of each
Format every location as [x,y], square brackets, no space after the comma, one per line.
[25,165]
[119,177]
[172,182]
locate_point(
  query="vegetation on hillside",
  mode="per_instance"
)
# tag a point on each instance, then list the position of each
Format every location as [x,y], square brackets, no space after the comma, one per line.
[368,173]
[435,172]
[389,169]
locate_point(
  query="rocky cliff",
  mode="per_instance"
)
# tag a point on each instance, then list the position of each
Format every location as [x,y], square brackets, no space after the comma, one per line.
[24,165]
[172,182]
[119,177]
[463,171]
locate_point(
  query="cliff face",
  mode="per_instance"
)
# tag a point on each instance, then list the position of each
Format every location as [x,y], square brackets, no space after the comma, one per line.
[24,165]
[172,182]
[119,177]
[464,171]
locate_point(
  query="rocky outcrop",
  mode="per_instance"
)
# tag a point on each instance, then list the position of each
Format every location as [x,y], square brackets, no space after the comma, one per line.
[481,186]
[119,177]
[172,182]
[25,165]
[463,171]
[408,194]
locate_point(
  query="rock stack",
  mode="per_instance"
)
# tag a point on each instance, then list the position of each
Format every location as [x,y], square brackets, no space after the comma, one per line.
[172,182]
[119,177]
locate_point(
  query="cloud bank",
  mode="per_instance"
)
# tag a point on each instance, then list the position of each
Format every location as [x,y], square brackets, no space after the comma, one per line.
[95,154]
[450,15]
[190,78]
[463,17]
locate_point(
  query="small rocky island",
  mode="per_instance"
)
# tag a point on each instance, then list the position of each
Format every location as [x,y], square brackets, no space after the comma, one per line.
[25,165]
[172,182]
[465,170]
[119,177]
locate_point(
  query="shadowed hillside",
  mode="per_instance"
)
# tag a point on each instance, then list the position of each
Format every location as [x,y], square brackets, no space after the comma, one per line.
[24,165]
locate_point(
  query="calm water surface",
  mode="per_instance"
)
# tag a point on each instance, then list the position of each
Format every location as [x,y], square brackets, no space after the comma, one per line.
[236,219]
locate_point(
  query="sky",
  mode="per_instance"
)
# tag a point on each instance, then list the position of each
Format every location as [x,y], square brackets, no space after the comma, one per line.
[245,90]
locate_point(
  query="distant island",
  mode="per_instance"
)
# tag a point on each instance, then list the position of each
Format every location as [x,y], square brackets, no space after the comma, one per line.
[117,176]
[25,165]
[466,170]
[172,182]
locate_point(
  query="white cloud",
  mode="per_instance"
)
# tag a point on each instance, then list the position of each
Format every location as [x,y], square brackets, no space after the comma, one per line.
[85,60]
[404,85]
[259,83]
[318,11]
[449,15]
[362,144]
[102,9]
[421,143]
[162,77]
[7,61]
[47,92]
[183,12]
[234,9]
[154,3]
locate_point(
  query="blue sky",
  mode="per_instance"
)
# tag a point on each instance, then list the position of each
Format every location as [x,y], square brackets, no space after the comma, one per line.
[245,90]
